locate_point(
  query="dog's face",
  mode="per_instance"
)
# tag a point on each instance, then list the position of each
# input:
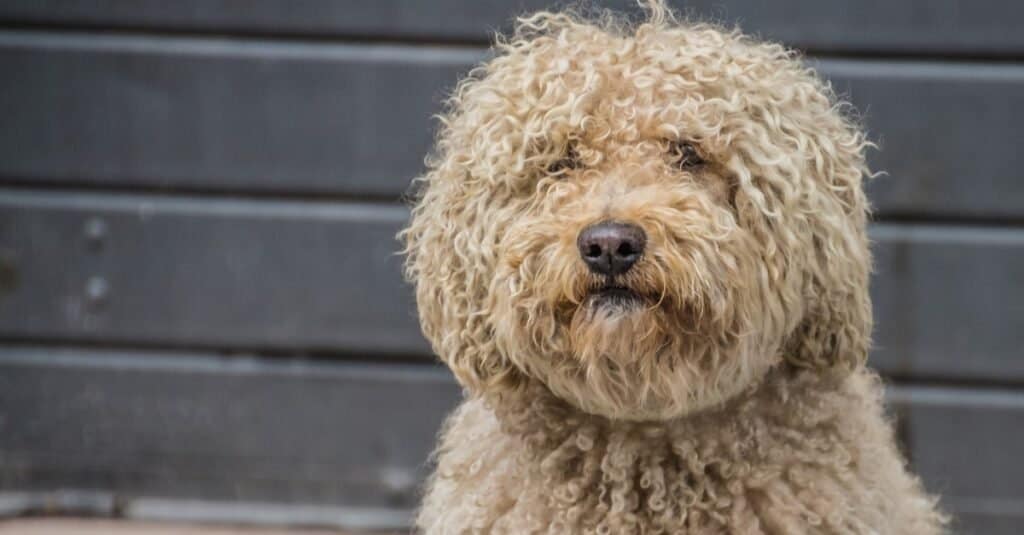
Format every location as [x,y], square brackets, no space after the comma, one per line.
[646,220]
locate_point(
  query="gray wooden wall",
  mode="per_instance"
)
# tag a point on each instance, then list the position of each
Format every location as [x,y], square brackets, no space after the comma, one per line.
[201,314]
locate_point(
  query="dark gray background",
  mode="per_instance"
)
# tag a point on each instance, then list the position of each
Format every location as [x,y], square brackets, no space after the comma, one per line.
[201,311]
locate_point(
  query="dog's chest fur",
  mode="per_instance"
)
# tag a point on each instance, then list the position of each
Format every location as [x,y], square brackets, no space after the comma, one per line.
[791,456]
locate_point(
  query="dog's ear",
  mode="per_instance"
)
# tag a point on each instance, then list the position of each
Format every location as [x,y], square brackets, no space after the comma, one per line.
[835,332]
[449,258]
[825,236]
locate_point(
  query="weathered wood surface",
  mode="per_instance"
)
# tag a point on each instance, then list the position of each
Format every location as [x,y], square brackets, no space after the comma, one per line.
[212,114]
[355,119]
[197,272]
[149,428]
[966,446]
[224,429]
[77,526]
[949,302]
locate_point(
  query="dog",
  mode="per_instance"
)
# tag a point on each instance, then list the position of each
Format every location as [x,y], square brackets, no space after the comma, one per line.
[641,249]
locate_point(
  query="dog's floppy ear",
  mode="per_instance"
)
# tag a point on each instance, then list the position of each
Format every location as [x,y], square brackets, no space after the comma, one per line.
[836,330]
[827,245]
[449,258]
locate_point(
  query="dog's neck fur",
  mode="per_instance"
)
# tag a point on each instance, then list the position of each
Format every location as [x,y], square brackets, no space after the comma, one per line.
[813,415]
[798,400]
[789,452]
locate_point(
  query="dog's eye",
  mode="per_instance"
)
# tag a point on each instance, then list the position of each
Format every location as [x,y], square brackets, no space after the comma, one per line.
[567,163]
[686,155]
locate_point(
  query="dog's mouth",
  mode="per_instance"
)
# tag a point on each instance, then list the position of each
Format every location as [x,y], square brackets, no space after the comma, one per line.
[614,296]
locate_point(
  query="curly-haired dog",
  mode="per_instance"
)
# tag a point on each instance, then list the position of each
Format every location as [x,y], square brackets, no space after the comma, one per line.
[641,249]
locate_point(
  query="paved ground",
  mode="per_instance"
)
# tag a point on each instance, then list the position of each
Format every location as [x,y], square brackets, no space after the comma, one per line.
[74,526]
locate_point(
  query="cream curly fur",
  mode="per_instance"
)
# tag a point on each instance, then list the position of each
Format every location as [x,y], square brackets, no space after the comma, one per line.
[736,399]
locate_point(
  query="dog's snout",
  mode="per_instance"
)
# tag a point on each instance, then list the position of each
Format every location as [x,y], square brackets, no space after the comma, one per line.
[610,247]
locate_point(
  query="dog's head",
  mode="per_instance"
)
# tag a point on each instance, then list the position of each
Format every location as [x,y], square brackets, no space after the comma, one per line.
[645,218]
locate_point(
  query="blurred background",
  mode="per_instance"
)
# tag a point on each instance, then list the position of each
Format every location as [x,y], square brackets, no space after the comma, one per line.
[202,315]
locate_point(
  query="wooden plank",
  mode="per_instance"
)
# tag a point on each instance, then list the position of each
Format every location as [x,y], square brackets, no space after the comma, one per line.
[966,445]
[909,26]
[353,120]
[226,273]
[166,433]
[986,524]
[927,118]
[213,114]
[90,526]
[184,430]
[306,276]
[949,301]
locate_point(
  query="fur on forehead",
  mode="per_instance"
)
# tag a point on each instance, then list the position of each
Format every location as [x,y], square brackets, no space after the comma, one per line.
[603,85]
[618,95]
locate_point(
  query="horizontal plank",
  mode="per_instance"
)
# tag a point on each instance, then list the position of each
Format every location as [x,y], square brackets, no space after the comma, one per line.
[926,118]
[164,430]
[92,526]
[161,435]
[178,512]
[966,446]
[354,120]
[215,114]
[297,276]
[949,301]
[986,523]
[908,26]
[305,276]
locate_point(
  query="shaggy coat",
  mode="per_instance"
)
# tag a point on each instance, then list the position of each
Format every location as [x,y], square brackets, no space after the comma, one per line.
[726,392]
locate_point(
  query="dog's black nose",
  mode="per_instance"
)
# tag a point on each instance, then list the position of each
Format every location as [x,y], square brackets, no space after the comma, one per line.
[611,248]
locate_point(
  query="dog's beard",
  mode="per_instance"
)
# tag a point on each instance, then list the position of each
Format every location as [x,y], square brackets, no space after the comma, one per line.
[616,323]
[644,347]
[633,317]
[644,362]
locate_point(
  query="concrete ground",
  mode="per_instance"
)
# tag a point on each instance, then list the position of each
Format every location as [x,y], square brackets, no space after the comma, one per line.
[76,526]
